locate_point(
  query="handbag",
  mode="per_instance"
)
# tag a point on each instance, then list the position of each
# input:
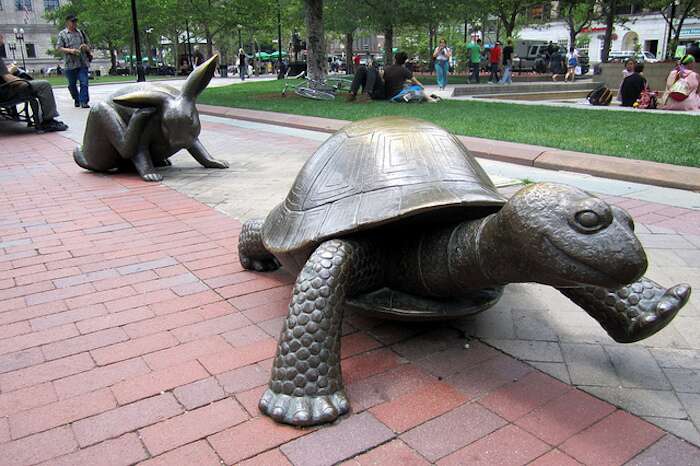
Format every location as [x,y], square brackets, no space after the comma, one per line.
[647,99]
[88,52]
[680,89]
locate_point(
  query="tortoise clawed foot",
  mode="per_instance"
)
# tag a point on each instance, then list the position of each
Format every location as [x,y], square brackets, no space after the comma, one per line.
[259,265]
[661,309]
[649,308]
[303,410]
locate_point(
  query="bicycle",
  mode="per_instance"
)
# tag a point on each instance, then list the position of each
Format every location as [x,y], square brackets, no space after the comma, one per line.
[315,89]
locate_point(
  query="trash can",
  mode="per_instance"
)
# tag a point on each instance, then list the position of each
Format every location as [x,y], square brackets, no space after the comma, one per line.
[223,71]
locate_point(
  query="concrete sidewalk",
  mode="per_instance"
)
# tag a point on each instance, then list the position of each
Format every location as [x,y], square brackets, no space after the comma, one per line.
[129,334]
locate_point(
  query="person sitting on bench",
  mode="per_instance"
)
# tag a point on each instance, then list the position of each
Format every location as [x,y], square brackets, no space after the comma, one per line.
[41,90]
[380,87]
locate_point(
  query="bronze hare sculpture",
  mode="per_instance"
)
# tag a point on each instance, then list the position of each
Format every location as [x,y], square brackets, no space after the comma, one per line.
[142,125]
[394,216]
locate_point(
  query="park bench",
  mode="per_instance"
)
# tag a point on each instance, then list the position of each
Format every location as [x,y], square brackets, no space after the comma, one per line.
[16,103]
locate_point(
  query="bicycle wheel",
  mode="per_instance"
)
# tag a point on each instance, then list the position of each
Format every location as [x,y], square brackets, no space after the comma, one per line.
[315,94]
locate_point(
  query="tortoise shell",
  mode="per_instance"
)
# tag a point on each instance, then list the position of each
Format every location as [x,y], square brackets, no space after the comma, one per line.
[375,172]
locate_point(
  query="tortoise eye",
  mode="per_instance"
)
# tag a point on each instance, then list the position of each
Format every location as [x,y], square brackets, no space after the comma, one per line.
[588,221]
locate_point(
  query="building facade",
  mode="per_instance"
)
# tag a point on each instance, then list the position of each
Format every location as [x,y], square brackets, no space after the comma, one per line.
[38,32]
[643,29]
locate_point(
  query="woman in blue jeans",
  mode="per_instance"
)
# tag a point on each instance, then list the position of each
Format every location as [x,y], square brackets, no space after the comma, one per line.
[442,55]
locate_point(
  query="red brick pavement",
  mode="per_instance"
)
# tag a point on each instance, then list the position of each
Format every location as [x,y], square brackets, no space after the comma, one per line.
[129,333]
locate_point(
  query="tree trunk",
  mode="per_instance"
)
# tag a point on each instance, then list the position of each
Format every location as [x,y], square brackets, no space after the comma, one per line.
[349,43]
[609,23]
[210,44]
[388,45]
[316,63]
[112,57]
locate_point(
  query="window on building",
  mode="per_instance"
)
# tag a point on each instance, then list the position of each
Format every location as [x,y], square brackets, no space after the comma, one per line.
[540,12]
[50,5]
[31,50]
[629,7]
[22,5]
[1,7]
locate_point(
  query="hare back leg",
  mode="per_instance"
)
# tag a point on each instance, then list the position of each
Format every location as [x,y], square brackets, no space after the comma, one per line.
[98,153]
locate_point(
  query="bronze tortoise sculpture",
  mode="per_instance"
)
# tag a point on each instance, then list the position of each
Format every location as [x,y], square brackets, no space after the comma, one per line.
[394,216]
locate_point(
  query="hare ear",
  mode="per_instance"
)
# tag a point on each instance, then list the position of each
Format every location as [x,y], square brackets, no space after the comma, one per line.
[199,78]
[141,99]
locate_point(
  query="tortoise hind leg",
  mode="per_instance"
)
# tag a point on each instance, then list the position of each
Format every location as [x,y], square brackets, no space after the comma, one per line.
[251,250]
[633,312]
[306,386]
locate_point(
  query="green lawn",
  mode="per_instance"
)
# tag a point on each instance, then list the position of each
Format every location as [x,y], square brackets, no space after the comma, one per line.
[636,135]
[58,81]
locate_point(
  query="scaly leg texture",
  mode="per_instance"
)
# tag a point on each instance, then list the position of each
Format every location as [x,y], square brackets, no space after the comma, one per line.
[251,250]
[633,312]
[306,386]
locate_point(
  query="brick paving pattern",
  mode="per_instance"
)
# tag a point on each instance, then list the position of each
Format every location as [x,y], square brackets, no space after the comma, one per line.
[130,334]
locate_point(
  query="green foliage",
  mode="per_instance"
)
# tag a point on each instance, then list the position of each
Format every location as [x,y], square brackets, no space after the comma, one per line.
[597,132]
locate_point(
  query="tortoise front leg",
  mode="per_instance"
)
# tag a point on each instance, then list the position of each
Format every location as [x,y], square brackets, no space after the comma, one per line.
[633,312]
[251,249]
[306,386]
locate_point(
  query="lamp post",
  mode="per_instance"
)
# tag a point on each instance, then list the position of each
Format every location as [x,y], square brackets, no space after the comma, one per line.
[140,75]
[279,35]
[13,47]
[240,39]
[19,36]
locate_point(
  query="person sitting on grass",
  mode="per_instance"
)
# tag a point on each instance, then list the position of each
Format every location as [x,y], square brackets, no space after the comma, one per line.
[682,86]
[632,86]
[379,87]
[397,83]
[37,88]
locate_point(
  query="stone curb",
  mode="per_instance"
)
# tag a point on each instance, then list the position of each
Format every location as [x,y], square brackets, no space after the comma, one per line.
[639,171]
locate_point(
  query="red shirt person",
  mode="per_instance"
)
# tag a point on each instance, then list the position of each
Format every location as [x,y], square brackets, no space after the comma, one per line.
[495,55]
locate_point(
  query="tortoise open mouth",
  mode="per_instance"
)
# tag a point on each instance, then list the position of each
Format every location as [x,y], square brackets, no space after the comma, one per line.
[587,269]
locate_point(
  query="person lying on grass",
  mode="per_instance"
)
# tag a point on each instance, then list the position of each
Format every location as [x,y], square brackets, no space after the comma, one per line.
[388,85]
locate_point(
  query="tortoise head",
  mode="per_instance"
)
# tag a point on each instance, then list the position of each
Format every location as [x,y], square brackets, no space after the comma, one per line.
[563,236]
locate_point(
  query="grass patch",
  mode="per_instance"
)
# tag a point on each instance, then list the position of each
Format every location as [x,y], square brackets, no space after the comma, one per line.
[62,81]
[634,135]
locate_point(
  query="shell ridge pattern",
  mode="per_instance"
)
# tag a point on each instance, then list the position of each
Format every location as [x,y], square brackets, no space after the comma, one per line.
[331,147]
[338,177]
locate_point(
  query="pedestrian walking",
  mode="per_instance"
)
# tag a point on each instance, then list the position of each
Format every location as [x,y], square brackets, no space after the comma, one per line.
[495,57]
[74,44]
[571,64]
[508,55]
[442,56]
[474,53]
[242,64]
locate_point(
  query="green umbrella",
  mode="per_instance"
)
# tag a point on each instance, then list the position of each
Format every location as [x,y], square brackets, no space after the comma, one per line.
[276,54]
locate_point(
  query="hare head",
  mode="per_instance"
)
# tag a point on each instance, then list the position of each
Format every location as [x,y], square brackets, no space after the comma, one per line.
[179,118]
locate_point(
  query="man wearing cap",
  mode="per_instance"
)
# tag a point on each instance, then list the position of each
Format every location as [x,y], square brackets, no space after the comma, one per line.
[74,44]
[37,88]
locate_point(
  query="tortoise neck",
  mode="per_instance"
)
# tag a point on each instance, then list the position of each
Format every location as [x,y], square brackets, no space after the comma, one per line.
[478,256]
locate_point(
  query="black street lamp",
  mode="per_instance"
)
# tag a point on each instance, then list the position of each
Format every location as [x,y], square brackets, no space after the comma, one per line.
[13,47]
[140,75]
[279,34]
[19,36]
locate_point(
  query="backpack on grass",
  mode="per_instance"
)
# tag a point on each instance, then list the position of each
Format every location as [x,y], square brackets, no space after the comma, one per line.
[600,96]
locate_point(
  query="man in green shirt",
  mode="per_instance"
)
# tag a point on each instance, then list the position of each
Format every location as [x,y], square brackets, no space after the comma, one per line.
[474,54]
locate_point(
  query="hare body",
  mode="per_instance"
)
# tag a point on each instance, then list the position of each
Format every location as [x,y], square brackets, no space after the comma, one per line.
[144,124]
